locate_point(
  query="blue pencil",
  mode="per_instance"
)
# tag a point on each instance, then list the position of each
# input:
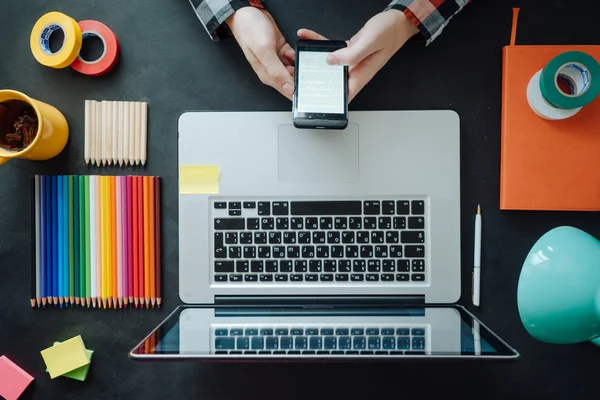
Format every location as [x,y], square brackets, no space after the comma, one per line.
[54,246]
[65,216]
[48,235]
[75,238]
[42,201]
[60,239]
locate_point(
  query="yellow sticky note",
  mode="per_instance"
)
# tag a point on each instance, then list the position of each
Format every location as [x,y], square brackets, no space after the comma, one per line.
[199,179]
[65,357]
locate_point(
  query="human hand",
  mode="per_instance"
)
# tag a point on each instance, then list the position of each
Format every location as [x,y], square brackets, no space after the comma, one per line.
[371,48]
[265,48]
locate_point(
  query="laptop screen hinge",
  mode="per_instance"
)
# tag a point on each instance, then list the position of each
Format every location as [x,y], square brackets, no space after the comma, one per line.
[317,302]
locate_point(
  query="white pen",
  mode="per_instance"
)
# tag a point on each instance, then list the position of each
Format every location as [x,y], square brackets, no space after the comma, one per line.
[476,338]
[477,259]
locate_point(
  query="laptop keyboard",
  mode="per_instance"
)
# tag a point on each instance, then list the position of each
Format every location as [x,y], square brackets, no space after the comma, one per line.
[319,242]
[319,340]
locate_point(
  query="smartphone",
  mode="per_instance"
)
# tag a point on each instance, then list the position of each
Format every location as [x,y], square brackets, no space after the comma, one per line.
[321,96]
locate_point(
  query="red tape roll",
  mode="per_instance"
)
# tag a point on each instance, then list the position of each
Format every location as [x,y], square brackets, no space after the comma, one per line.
[109,57]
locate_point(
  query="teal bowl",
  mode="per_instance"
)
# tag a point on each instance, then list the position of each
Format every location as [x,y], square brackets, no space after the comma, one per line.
[559,287]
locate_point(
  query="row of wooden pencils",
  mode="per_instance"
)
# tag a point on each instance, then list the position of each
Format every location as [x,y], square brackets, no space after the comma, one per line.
[96,241]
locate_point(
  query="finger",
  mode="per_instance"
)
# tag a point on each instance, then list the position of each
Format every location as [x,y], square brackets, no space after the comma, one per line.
[310,35]
[359,47]
[277,76]
[287,55]
[290,55]
[291,70]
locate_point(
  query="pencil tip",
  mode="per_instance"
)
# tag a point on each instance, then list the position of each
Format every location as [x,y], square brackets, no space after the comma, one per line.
[478,209]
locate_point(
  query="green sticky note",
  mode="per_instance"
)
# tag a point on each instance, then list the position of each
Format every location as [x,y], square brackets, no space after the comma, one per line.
[80,373]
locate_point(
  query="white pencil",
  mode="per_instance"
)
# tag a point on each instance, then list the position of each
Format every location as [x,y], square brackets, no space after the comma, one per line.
[477,259]
[131,132]
[115,132]
[144,145]
[92,231]
[120,133]
[87,134]
[98,133]
[138,115]
[126,133]
[105,132]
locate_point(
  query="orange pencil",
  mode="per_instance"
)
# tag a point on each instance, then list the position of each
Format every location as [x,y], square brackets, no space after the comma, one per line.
[151,243]
[114,222]
[135,247]
[105,246]
[146,185]
[140,221]
[157,258]
[98,297]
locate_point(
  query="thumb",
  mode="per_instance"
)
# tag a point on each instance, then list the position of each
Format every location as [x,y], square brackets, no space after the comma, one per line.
[277,74]
[353,54]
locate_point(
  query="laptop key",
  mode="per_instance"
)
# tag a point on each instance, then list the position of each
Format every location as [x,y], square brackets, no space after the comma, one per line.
[377,237]
[285,266]
[304,237]
[264,208]
[371,207]
[374,343]
[272,343]
[220,205]
[315,343]
[282,223]
[220,278]
[329,265]
[236,331]
[374,265]
[235,213]
[387,331]
[279,352]
[418,343]
[326,223]
[396,251]
[351,251]
[280,208]
[392,237]
[362,237]
[372,331]
[281,331]
[221,332]
[251,331]
[326,277]
[323,352]
[402,277]
[219,239]
[418,332]
[311,278]
[260,237]
[257,343]
[416,223]
[403,343]
[341,277]
[351,352]
[224,266]
[344,266]
[271,266]
[418,265]
[355,223]
[312,331]
[315,266]
[387,277]
[296,278]
[381,251]
[319,208]
[235,252]
[274,237]
[366,352]
[278,252]
[265,352]
[281,278]
[372,277]
[381,353]
[301,342]
[402,265]
[342,331]
[402,331]
[264,252]
[249,204]
[388,266]
[308,251]
[266,331]
[257,266]
[326,331]
[253,224]
[293,352]
[359,342]
[293,252]
[348,237]
[297,331]
[412,237]
[251,278]
[308,352]
[388,342]
[289,237]
[357,277]
[318,237]
[384,223]
[388,207]
[418,277]
[399,223]
[344,343]
[359,265]
[231,224]
[249,252]
[311,223]
[297,223]
[235,205]
[417,207]
[322,251]
[370,222]
[300,266]
[242,266]
[414,251]
[221,252]
[250,352]
[286,343]
[402,207]
[266,278]
[336,251]
[267,223]
[336,352]
[357,331]
[245,238]
[243,343]
[219,352]
[235,278]
[341,222]
[333,237]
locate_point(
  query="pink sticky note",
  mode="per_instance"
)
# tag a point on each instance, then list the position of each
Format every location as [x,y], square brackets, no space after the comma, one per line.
[13,380]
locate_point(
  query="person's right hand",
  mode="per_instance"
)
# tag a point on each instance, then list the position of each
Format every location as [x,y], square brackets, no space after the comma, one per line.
[265,48]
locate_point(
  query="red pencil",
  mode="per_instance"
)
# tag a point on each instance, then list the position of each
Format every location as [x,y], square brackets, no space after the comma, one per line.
[115,272]
[157,238]
[140,204]
[129,242]
[152,241]
[135,243]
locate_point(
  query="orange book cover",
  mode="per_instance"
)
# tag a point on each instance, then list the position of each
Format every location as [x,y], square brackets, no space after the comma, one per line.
[546,165]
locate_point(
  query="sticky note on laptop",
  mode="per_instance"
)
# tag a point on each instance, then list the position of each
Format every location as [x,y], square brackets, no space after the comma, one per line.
[199,179]
[80,373]
[65,357]
[13,380]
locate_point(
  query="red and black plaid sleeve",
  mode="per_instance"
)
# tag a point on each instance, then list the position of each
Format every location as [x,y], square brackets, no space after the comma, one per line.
[213,13]
[430,16]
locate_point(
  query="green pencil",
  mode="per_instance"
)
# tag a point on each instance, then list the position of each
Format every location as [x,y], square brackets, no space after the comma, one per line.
[71,261]
[76,229]
[88,265]
[82,228]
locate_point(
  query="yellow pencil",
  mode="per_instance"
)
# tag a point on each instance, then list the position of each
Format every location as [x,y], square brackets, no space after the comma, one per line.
[114,222]
[106,240]
[146,189]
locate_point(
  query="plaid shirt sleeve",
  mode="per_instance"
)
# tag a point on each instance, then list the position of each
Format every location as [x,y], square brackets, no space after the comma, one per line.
[213,13]
[430,16]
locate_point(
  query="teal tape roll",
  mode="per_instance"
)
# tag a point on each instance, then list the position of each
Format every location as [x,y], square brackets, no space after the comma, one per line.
[577,73]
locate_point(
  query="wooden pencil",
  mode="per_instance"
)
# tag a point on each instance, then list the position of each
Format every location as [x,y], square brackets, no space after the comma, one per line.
[124,239]
[75,215]
[119,240]
[99,239]
[55,242]
[126,133]
[115,132]
[60,244]
[99,133]
[144,134]
[141,272]
[138,142]
[130,239]
[49,234]
[157,258]
[33,231]
[104,209]
[86,137]
[105,132]
[146,231]
[44,238]
[71,270]
[135,240]
[82,228]
[120,133]
[114,272]
[90,242]
[151,242]
[131,120]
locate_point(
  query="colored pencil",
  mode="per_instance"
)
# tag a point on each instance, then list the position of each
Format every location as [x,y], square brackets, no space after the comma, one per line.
[74,213]
[119,238]
[48,243]
[82,233]
[99,239]
[157,258]
[114,275]
[137,142]
[70,239]
[54,245]
[135,241]
[126,133]
[144,134]
[151,242]
[104,204]
[120,133]
[42,245]
[146,230]
[87,139]
[34,240]
[91,183]
[129,240]
[141,271]
[89,241]
[115,131]
[124,240]
[132,125]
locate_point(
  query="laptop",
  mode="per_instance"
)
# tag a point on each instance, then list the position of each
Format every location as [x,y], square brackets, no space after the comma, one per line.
[320,244]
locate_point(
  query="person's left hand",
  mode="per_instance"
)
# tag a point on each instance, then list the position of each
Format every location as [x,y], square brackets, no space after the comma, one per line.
[371,48]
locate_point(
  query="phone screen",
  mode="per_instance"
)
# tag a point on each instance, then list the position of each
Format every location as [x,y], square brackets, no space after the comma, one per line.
[320,86]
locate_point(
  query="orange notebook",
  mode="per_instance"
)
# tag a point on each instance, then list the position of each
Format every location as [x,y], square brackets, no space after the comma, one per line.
[546,165]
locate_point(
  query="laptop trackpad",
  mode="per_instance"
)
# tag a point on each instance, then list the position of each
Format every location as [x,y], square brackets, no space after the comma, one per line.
[318,155]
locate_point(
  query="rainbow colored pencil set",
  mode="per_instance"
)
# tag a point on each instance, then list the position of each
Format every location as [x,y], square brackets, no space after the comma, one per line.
[96,241]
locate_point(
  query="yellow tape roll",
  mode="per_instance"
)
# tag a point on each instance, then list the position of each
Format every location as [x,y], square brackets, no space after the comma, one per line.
[40,40]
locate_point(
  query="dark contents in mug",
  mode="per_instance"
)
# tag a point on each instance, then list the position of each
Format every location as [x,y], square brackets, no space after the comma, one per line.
[18,125]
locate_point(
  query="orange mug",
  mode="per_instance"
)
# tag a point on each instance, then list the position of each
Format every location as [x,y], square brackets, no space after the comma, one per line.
[52,132]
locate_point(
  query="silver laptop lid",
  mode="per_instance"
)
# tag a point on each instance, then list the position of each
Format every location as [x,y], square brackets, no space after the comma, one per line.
[396,157]
[300,334]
